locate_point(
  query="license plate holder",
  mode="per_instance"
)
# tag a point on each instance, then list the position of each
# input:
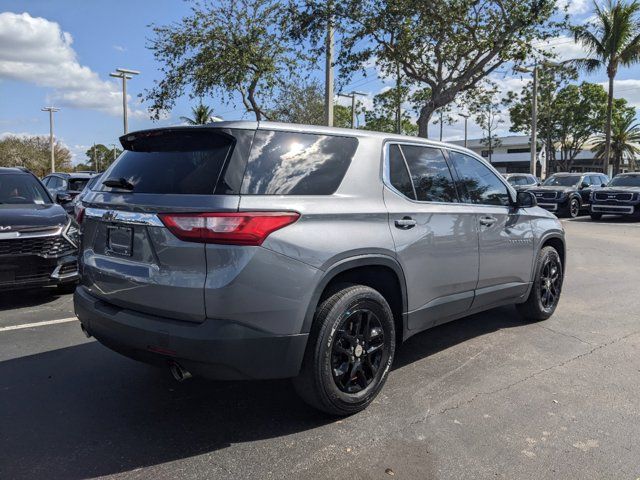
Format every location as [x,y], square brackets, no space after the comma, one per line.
[120,240]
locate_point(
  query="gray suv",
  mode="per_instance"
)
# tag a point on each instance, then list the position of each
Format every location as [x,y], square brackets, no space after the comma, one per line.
[246,250]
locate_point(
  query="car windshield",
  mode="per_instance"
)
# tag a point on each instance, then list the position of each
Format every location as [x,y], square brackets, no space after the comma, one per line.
[77,184]
[625,181]
[562,181]
[22,188]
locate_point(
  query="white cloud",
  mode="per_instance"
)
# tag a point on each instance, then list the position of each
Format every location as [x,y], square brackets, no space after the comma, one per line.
[37,51]
[574,7]
[563,47]
[119,48]
[627,89]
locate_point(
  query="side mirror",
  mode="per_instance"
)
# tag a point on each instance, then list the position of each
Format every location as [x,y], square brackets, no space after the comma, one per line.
[584,185]
[526,200]
[63,198]
[603,185]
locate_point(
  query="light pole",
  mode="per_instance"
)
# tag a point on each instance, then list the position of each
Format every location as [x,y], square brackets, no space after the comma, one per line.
[534,109]
[125,74]
[352,96]
[466,118]
[51,111]
[328,67]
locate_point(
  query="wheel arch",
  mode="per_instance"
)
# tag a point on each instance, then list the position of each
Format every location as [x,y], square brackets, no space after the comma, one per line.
[556,241]
[367,270]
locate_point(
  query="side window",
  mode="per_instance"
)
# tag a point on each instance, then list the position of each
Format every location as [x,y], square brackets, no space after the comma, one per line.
[605,179]
[595,180]
[292,163]
[45,181]
[398,174]
[532,181]
[479,183]
[54,183]
[430,173]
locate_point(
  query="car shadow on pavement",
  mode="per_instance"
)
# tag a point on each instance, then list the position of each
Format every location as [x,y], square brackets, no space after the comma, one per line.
[32,297]
[84,411]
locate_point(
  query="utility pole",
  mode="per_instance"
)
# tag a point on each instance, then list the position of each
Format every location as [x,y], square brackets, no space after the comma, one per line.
[352,96]
[328,67]
[466,118]
[125,74]
[534,119]
[398,100]
[51,111]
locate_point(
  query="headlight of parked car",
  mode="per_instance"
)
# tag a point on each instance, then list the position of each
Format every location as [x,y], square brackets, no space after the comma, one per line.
[71,232]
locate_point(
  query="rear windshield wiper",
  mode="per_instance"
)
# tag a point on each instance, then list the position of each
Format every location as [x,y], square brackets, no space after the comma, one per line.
[122,183]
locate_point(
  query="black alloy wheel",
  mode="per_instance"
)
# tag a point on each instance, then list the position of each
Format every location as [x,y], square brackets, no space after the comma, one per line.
[357,351]
[550,282]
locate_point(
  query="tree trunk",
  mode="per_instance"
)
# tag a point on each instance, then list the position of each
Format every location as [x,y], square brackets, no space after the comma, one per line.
[607,128]
[423,120]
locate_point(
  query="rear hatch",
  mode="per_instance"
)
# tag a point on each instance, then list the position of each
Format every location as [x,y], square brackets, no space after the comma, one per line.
[130,258]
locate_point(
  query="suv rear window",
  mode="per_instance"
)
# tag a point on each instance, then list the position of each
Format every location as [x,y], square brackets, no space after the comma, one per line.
[171,162]
[291,163]
[77,184]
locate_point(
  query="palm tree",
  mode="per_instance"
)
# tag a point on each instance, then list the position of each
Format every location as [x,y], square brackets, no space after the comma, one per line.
[201,114]
[624,141]
[612,40]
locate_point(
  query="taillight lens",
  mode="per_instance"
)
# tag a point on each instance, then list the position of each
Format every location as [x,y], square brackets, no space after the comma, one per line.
[79,213]
[243,228]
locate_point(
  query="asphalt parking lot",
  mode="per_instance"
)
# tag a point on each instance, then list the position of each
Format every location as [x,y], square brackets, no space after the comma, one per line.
[483,397]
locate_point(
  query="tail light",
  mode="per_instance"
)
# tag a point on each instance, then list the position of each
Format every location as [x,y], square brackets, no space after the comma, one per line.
[242,228]
[79,211]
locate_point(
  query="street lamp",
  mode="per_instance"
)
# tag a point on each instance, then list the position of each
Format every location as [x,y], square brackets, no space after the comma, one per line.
[466,118]
[51,111]
[125,74]
[534,107]
[352,96]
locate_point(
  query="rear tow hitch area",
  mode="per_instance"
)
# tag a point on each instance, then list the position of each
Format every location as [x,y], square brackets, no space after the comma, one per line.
[179,373]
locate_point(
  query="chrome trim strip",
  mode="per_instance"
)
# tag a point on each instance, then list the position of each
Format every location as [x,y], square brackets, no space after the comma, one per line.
[614,208]
[56,274]
[120,216]
[549,206]
[20,235]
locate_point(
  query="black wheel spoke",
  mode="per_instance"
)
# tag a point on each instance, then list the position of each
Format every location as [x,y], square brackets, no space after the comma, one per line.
[357,349]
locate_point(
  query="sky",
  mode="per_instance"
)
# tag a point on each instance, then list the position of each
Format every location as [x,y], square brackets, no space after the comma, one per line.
[61,52]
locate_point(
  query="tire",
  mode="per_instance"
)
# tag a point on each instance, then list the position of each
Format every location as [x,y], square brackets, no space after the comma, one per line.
[539,306]
[336,345]
[573,209]
[596,216]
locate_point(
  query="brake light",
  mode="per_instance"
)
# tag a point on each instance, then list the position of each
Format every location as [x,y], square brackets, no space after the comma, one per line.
[243,228]
[79,214]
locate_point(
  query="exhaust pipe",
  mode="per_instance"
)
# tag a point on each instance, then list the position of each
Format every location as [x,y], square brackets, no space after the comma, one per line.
[85,331]
[179,373]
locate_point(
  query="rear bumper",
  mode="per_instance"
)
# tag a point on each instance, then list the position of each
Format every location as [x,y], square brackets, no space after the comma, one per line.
[216,349]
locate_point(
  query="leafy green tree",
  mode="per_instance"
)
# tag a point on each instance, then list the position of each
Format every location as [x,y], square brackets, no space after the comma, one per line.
[200,115]
[446,46]
[382,118]
[304,103]
[612,41]
[625,140]
[99,157]
[485,107]
[230,47]
[34,153]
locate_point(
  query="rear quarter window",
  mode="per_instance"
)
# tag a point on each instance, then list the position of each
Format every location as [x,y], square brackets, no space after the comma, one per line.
[292,163]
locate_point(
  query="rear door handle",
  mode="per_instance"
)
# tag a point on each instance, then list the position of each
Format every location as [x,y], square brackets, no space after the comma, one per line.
[406,223]
[488,221]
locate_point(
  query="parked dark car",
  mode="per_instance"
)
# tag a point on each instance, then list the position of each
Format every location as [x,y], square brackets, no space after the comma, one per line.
[568,194]
[38,240]
[76,203]
[521,181]
[620,197]
[64,187]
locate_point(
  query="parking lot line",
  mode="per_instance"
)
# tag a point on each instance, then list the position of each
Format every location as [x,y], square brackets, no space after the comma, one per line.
[38,324]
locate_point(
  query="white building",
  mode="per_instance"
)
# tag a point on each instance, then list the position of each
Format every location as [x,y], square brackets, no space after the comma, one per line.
[514,155]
